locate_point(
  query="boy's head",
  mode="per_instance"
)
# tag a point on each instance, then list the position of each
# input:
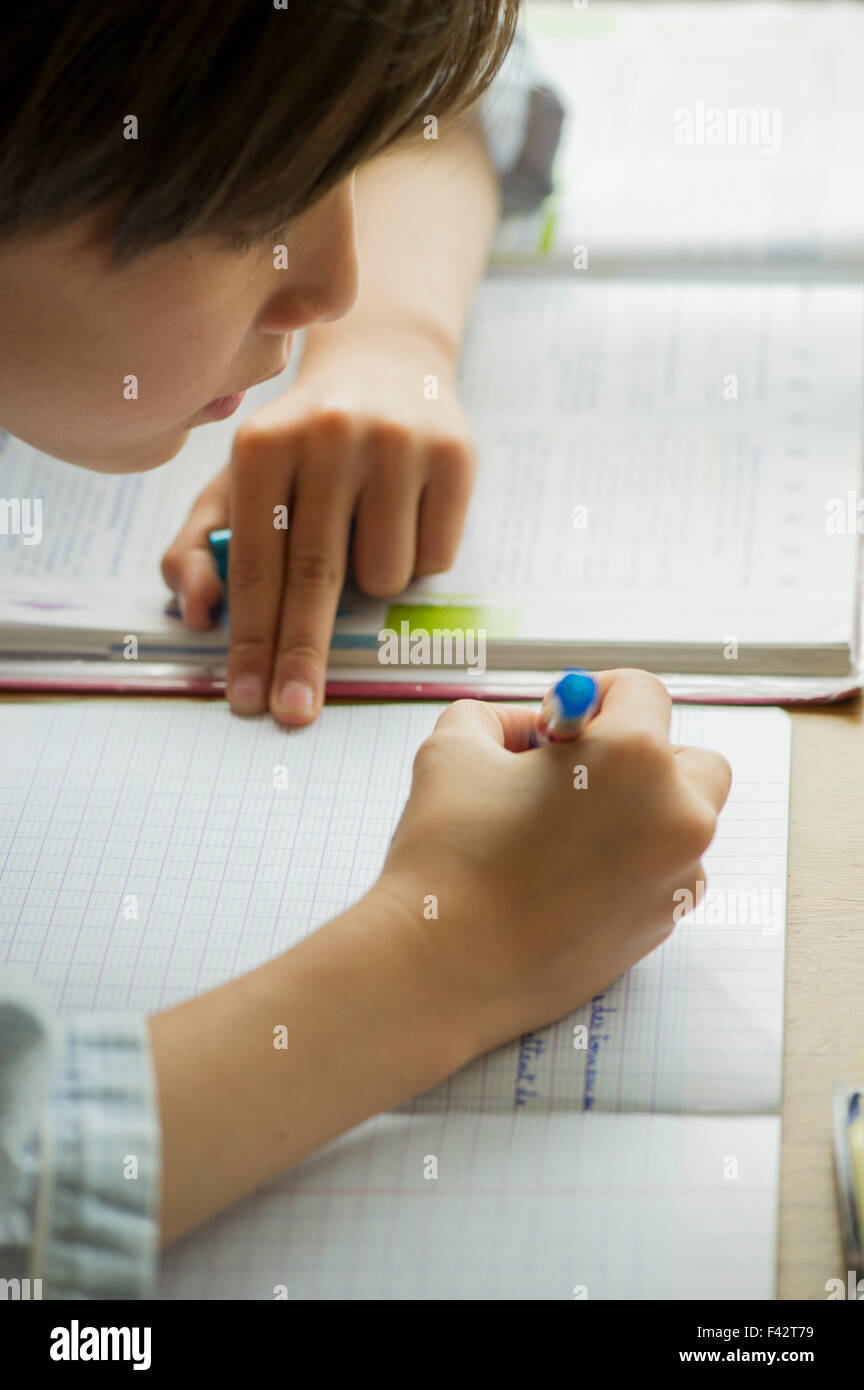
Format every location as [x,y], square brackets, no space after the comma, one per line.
[153,154]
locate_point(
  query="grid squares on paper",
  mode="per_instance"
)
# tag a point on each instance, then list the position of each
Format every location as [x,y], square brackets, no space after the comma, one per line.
[234,839]
[177,813]
[522,1207]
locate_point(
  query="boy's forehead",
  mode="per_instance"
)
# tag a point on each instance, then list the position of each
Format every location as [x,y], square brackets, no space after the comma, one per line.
[77,242]
[83,248]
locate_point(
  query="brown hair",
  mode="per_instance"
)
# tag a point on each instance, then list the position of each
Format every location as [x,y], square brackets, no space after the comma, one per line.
[246,113]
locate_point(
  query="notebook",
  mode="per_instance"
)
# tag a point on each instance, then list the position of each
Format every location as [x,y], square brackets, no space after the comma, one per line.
[642,1162]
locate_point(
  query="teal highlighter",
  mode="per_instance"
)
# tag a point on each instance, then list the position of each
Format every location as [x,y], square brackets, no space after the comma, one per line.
[219,549]
[220,543]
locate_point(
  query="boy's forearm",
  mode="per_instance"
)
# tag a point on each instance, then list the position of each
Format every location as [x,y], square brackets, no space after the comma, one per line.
[426,214]
[261,1072]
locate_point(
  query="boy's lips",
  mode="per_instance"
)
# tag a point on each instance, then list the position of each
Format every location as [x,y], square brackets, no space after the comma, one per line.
[223,406]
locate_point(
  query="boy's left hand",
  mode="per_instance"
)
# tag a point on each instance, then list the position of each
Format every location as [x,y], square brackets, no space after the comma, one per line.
[354,436]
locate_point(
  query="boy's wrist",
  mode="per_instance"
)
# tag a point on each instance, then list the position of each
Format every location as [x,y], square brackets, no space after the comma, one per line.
[398,335]
[437,1035]
[263,1071]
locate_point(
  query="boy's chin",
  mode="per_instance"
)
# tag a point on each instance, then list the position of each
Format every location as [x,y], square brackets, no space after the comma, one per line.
[139,457]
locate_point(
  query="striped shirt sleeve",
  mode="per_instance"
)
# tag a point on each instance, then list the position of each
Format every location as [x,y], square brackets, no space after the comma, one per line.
[79,1151]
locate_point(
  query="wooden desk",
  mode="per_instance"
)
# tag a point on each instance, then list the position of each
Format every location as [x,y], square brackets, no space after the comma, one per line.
[824,1030]
[824,1038]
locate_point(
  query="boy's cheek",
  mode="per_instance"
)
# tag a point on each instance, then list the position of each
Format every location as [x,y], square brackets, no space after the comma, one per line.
[106,407]
[73,430]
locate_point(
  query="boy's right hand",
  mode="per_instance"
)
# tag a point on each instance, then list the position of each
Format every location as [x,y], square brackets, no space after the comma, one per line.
[546,893]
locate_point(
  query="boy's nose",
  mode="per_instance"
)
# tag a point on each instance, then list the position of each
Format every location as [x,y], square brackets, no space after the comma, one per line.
[322,281]
[339,290]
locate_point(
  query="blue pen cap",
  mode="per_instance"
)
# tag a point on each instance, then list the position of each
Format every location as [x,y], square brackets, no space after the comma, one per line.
[576,693]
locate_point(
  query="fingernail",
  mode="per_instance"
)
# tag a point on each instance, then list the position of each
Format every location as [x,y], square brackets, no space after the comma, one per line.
[296,697]
[246,693]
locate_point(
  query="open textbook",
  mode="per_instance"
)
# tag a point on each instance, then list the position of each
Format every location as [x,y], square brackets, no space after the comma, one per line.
[630,1150]
[668,478]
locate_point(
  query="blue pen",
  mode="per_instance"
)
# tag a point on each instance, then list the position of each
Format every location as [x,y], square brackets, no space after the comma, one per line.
[566,709]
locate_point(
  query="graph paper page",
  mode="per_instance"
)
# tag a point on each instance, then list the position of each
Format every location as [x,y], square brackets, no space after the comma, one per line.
[151,851]
[505,1207]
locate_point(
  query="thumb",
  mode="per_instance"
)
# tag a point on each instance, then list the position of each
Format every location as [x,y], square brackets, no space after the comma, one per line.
[509,725]
[188,567]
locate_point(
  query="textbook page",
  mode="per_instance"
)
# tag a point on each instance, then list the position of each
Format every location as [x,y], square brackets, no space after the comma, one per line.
[700,134]
[505,1207]
[656,466]
[662,463]
[150,851]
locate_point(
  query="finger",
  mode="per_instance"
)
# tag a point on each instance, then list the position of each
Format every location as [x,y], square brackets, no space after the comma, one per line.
[509,725]
[261,475]
[317,553]
[708,771]
[687,893]
[632,702]
[443,507]
[188,567]
[386,532]
[698,880]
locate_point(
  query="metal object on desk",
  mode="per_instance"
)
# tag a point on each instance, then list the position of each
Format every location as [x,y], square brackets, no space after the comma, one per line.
[849,1165]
